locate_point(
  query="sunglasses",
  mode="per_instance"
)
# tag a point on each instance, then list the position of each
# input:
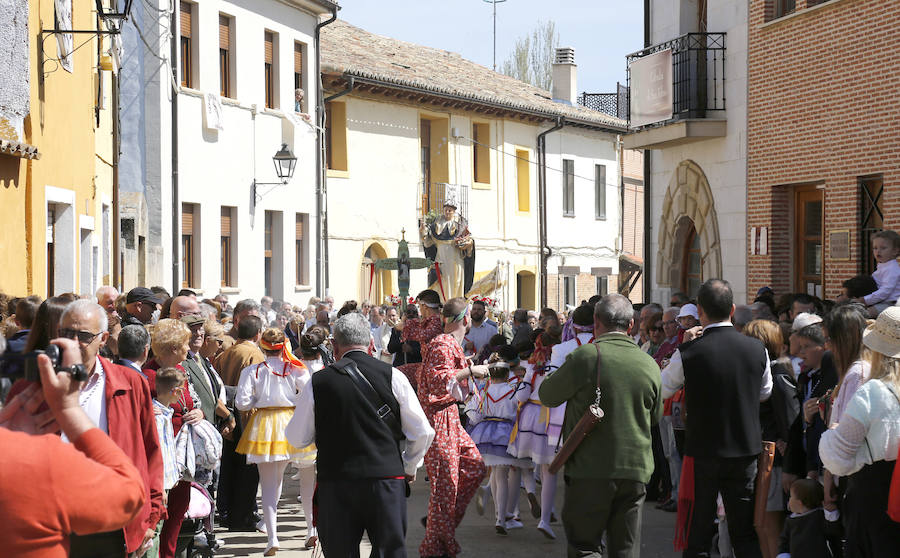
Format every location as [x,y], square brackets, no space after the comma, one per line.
[84,337]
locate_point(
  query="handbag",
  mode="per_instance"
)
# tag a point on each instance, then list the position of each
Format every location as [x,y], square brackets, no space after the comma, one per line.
[763,480]
[585,426]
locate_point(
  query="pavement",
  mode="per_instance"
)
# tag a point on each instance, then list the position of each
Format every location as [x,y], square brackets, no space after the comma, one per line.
[475,534]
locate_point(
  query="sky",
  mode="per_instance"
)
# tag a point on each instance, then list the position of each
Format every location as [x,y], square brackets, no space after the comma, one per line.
[602,32]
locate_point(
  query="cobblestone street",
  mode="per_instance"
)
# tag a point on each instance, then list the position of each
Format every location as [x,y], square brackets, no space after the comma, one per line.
[476,534]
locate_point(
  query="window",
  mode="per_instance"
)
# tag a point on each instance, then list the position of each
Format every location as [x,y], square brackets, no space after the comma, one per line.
[226,245]
[267,252]
[603,285]
[808,253]
[299,80]
[187,50]
[523,180]
[481,155]
[336,136]
[600,191]
[301,249]
[568,187]
[871,218]
[189,244]
[785,7]
[51,252]
[569,290]
[271,69]
[225,73]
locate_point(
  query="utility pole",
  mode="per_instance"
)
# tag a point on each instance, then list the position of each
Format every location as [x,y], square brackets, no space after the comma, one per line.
[494,5]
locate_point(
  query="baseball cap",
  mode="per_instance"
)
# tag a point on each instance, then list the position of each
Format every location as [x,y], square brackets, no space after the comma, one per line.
[804,319]
[764,290]
[142,294]
[191,320]
[688,310]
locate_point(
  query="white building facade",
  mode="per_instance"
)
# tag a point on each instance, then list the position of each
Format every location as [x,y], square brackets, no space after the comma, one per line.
[223,221]
[407,122]
[697,223]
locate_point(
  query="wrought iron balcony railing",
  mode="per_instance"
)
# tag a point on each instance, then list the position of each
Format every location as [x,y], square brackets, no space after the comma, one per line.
[613,104]
[698,74]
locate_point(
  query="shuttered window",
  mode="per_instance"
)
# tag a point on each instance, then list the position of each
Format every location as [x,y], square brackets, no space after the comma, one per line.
[299,106]
[269,48]
[224,56]
[187,245]
[568,197]
[187,51]
[301,250]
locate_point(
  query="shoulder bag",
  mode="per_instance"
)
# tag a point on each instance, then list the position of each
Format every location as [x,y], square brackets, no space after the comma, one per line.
[585,426]
[364,386]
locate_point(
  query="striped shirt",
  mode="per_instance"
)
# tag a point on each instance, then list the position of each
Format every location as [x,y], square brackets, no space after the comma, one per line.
[166,444]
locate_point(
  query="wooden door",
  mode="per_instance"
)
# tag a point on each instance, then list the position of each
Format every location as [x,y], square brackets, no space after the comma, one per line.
[809,252]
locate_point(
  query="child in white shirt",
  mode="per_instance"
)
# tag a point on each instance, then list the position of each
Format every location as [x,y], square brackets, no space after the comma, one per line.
[886,249]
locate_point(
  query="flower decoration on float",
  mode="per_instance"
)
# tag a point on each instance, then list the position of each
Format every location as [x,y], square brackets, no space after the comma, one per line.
[410,300]
[488,301]
[392,300]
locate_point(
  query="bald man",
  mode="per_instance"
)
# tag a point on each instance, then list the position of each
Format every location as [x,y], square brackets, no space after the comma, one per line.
[184,306]
[106,297]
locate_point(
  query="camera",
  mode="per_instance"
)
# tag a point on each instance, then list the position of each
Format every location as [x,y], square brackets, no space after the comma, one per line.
[32,374]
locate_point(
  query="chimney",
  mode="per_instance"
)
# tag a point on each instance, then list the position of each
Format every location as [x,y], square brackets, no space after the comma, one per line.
[565,86]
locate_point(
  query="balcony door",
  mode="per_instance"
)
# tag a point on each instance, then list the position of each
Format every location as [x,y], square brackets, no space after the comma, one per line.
[809,269]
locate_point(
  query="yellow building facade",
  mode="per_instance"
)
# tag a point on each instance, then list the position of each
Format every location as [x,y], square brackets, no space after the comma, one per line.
[56,175]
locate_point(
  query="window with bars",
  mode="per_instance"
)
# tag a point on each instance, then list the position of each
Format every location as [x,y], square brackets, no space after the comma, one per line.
[225,62]
[189,244]
[187,52]
[568,187]
[301,249]
[269,66]
[600,191]
[871,218]
[226,244]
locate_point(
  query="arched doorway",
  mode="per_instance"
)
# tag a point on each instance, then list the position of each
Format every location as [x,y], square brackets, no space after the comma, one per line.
[689,245]
[374,284]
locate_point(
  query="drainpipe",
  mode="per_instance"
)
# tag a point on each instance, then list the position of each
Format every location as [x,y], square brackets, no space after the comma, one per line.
[648,187]
[321,215]
[542,205]
[116,279]
[176,245]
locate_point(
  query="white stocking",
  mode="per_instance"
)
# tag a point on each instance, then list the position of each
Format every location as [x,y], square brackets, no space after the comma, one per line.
[307,488]
[501,494]
[548,493]
[271,476]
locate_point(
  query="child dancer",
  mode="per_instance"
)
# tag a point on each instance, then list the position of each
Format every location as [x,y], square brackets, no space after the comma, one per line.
[493,422]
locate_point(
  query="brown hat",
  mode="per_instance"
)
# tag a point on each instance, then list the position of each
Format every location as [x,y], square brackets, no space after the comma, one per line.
[191,320]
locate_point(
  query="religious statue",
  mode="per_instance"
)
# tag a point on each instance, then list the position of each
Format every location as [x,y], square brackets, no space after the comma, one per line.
[402,264]
[450,245]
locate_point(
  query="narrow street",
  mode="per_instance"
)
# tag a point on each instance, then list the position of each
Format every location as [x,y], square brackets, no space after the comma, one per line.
[476,534]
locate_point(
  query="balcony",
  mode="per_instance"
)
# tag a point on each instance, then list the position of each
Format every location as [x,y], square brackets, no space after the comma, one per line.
[613,104]
[677,92]
[433,194]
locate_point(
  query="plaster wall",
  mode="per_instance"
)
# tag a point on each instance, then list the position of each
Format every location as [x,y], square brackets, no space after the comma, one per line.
[723,160]
[14,99]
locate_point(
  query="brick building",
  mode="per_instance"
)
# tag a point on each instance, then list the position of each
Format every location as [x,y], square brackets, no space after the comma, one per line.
[823,149]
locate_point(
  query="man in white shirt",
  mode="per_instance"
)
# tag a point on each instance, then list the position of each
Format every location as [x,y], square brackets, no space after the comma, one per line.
[481,330]
[371,435]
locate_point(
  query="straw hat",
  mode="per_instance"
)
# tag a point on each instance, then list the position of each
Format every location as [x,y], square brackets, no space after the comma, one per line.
[883,336]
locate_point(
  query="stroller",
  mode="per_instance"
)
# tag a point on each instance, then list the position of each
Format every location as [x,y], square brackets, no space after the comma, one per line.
[197,539]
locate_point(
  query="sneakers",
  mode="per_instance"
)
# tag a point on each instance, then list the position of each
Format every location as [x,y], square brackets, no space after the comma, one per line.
[513,524]
[546,530]
[501,529]
[535,505]
[261,527]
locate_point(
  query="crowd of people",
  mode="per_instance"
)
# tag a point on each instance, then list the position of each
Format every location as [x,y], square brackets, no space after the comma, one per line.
[769,429]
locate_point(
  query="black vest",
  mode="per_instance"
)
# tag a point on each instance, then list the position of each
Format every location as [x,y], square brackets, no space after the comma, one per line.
[722,379]
[353,442]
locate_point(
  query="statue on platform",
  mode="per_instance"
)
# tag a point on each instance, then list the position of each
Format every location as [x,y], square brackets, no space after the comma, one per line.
[450,245]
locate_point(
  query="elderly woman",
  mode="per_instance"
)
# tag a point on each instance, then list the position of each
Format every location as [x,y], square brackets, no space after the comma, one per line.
[214,337]
[270,390]
[169,340]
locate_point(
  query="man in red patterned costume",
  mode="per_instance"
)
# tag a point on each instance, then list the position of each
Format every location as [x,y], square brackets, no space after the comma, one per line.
[454,465]
[421,330]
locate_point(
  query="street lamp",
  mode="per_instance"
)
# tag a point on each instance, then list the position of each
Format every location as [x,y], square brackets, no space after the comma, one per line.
[112,12]
[285,163]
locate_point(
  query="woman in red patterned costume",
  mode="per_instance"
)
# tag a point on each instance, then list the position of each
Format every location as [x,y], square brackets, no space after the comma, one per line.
[422,329]
[454,465]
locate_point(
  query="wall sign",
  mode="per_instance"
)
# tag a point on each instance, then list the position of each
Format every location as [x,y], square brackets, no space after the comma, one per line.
[839,245]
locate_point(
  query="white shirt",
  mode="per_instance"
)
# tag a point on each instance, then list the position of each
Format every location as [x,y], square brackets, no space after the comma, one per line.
[301,431]
[887,277]
[206,380]
[562,350]
[93,398]
[855,376]
[481,334]
[673,374]
[261,385]
[497,401]
[869,431]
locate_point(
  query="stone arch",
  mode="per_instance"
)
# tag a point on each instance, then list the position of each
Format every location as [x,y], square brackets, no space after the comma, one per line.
[374,286]
[688,196]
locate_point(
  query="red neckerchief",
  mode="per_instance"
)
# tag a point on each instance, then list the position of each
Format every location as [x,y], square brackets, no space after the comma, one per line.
[502,397]
[577,340]
[285,371]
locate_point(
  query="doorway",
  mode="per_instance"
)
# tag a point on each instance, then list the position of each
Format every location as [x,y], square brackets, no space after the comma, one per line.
[809,269]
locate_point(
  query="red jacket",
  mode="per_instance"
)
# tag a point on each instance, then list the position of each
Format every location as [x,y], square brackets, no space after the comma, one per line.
[132,426]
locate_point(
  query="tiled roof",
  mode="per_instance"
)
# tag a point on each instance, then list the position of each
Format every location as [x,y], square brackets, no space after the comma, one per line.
[19,149]
[349,50]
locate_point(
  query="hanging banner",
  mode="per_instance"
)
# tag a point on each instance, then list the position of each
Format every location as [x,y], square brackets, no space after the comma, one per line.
[64,41]
[651,88]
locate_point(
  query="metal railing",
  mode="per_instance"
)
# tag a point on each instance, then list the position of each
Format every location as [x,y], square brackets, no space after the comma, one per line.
[698,73]
[433,195]
[613,104]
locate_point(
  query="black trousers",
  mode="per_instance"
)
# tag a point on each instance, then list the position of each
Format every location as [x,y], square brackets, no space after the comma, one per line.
[660,484]
[347,508]
[99,545]
[594,506]
[238,481]
[735,478]
[870,531]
